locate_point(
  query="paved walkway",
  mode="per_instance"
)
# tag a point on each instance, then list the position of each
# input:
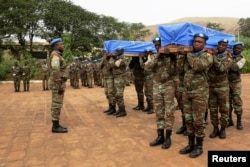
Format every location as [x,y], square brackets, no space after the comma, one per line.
[95,139]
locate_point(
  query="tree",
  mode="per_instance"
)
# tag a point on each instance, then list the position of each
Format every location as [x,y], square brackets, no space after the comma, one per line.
[244,27]
[215,26]
[67,54]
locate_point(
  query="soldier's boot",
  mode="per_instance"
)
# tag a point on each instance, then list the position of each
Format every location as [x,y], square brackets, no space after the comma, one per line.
[151,108]
[18,87]
[190,147]
[44,87]
[230,120]
[239,124]
[108,109]
[122,112]
[57,128]
[222,134]
[167,142]
[205,118]
[28,88]
[198,150]
[215,132]
[112,110]
[140,106]
[159,139]
[183,128]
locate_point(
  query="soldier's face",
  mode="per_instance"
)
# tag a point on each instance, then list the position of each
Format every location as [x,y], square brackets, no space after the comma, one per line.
[60,46]
[222,47]
[237,49]
[199,44]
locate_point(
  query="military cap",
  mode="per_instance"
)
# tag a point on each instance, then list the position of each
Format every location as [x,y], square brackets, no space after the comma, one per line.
[148,49]
[201,35]
[55,41]
[119,48]
[156,39]
[223,41]
[238,43]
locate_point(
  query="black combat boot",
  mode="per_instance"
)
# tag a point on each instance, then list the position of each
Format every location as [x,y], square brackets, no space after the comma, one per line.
[239,124]
[167,142]
[190,147]
[222,134]
[122,112]
[112,110]
[151,109]
[160,138]
[183,128]
[57,128]
[198,148]
[140,106]
[28,88]
[108,109]
[215,132]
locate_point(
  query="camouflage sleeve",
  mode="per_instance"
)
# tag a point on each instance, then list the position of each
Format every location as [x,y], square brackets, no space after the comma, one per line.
[180,63]
[55,67]
[223,64]
[141,63]
[200,63]
[238,64]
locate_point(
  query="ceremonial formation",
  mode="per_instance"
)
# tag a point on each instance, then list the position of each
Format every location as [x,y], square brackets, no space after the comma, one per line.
[187,67]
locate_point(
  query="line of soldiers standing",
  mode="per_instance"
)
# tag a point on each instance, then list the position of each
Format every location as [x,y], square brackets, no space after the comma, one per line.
[21,73]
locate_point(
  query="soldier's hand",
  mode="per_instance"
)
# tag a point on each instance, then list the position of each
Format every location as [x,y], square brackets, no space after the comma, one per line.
[61,89]
[216,61]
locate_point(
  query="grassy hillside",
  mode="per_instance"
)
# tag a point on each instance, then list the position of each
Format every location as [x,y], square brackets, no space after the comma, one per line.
[227,23]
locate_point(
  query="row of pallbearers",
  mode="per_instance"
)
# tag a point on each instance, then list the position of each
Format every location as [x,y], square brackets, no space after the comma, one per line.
[175,38]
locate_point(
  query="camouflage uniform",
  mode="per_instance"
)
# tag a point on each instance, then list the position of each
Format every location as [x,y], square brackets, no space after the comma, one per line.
[163,68]
[16,73]
[219,93]
[45,75]
[109,89]
[118,65]
[84,74]
[138,73]
[148,85]
[234,77]
[90,74]
[57,83]
[26,75]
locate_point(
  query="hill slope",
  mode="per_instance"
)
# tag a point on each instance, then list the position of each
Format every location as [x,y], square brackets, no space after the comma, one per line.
[228,23]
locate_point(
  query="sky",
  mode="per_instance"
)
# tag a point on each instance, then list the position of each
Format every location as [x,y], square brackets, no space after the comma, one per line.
[152,12]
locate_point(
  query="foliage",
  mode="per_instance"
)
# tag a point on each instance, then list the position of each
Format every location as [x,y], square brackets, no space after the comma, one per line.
[244,27]
[246,68]
[215,26]
[67,54]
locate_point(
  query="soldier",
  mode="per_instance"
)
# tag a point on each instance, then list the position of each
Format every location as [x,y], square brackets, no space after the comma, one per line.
[164,92]
[45,75]
[90,74]
[219,89]
[109,89]
[76,73]
[57,83]
[118,65]
[195,93]
[138,73]
[148,80]
[234,77]
[84,73]
[16,73]
[26,75]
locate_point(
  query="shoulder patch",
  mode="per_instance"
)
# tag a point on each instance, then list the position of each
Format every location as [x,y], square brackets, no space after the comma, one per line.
[55,61]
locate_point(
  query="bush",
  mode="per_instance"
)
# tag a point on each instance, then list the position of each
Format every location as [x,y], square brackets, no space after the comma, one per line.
[246,68]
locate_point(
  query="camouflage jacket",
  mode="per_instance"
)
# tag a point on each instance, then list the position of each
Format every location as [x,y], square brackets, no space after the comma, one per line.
[195,69]
[106,69]
[163,68]
[118,70]
[217,74]
[26,72]
[235,69]
[134,65]
[16,71]
[57,69]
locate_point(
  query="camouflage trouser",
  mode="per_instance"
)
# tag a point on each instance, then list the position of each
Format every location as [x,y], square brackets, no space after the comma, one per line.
[148,89]
[177,92]
[56,106]
[26,82]
[109,90]
[139,82]
[195,103]
[218,102]
[163,98]
[45,79]
[235,101]
[90,78]
[17,81]
[119,85]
